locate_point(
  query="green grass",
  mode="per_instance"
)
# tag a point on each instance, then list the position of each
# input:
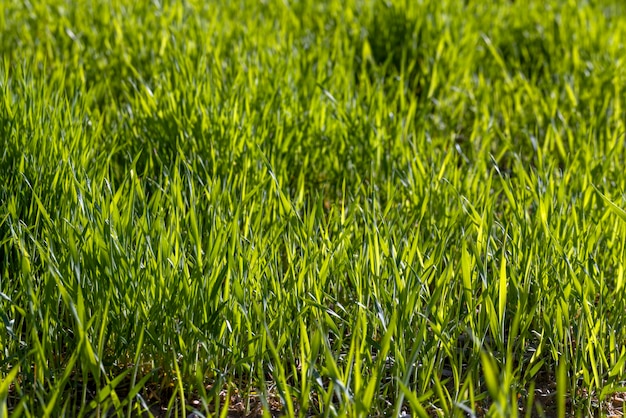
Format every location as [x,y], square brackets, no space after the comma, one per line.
[340,208]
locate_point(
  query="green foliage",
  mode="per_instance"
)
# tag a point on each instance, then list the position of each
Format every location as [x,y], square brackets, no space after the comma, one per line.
[356,208]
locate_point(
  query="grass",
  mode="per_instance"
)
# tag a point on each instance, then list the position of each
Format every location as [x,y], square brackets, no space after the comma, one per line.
[340,208]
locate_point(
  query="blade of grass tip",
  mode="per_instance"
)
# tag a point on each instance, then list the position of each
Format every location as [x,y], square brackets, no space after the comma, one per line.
[614,208]
[490,373]
[618,366]
[466,276]
[502,291]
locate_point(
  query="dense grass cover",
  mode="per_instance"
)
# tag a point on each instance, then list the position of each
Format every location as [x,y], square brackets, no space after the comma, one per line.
[338,208]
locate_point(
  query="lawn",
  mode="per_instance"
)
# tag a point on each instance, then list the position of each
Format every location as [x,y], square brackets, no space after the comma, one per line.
[312,208]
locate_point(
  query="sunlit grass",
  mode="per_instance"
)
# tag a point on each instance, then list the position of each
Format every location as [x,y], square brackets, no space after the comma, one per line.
[351,208]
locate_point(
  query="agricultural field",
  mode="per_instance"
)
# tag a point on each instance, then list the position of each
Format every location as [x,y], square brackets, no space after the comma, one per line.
[340,208]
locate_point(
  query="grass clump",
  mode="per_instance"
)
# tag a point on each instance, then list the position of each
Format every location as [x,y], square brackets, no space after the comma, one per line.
[312,208]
